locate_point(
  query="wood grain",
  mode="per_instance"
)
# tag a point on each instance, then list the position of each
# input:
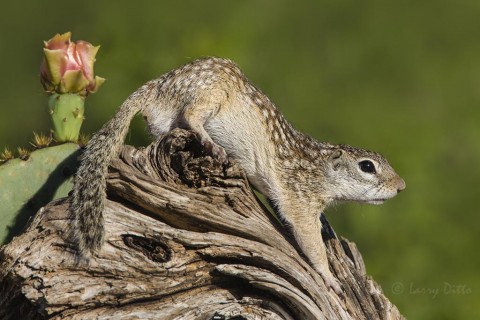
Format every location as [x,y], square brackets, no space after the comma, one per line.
[186,238]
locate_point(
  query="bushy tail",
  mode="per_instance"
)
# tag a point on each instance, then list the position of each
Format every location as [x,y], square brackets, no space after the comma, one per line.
[89,194]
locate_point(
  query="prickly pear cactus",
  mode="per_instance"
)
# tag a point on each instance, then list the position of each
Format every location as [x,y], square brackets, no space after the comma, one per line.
[66,111]
[27,185]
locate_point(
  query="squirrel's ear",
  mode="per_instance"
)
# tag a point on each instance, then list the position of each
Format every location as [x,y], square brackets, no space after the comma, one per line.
[336,158]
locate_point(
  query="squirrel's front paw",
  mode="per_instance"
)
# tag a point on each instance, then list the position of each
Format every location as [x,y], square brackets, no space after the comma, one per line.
[331,282]
[334,285]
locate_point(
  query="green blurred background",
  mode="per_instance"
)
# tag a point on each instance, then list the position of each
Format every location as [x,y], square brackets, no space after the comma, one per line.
[398,77]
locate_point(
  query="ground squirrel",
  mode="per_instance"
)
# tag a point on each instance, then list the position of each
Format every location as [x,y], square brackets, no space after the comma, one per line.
[212,97]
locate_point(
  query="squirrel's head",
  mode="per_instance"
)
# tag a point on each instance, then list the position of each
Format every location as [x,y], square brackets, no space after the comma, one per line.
[361,175]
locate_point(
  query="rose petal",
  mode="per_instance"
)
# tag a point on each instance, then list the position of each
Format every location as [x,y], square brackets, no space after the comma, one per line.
[86,52]
[73,81]
[73,60]
[93,87]
[59,41]
[55,61]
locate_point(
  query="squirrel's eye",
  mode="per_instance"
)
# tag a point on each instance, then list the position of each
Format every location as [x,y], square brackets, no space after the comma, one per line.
[367,166]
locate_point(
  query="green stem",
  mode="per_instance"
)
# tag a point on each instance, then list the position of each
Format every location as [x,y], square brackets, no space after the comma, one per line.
[66,111]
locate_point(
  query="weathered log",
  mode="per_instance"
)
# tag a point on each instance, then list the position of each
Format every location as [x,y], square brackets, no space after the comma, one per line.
[186,238]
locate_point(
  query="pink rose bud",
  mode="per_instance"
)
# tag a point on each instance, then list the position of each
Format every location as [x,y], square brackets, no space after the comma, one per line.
[68,66]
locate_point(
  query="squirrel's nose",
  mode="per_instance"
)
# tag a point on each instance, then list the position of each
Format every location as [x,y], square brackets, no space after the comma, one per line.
[401,185]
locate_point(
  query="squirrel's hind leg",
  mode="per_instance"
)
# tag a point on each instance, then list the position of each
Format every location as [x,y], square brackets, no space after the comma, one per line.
[200,111]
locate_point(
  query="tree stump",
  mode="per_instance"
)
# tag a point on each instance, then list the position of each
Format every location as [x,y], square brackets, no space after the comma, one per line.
[186,238]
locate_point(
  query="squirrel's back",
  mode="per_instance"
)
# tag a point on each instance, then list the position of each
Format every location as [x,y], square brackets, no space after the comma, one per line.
[162,102]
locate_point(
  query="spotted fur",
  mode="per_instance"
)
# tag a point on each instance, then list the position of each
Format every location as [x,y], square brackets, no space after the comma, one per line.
[232,117]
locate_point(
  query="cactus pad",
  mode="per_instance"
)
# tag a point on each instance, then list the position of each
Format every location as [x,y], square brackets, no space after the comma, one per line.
[26,186]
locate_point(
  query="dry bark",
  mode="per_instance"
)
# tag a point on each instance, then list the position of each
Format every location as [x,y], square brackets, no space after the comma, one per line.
[186,238]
